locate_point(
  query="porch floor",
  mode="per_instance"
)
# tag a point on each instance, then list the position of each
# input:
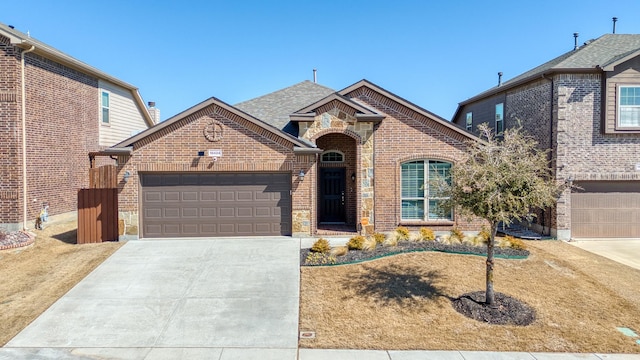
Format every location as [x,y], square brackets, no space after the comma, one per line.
[336,229]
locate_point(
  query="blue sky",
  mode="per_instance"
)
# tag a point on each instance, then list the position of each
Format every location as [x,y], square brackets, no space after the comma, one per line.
[432,53]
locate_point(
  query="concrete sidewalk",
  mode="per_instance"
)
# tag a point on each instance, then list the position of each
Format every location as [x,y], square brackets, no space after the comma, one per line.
[176,299]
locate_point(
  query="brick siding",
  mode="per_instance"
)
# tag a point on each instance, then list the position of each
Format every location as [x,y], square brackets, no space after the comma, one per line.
[62,128]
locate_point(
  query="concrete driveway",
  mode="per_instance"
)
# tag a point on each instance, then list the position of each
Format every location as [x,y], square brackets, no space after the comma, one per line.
[625,251]
[176,299]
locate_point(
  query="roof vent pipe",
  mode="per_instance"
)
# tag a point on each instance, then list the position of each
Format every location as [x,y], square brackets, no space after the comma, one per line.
[152,104]
[11,27]
[614,23]
[575,41]
[315,76]
[500,78]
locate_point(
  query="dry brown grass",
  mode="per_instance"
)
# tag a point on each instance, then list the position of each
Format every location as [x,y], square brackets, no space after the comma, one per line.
[34,277]
[403,302]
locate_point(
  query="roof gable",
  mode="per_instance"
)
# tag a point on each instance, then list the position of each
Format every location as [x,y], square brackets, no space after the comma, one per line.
[271,131]
[362,112]
[411,107]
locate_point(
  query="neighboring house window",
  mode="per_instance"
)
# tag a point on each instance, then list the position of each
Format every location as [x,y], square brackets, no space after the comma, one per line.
[499,118]
[469,126]
[629,106]
[104,102]
[420,198]
[332,157]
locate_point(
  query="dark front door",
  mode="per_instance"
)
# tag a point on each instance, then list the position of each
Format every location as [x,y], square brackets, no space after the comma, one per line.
[332,195]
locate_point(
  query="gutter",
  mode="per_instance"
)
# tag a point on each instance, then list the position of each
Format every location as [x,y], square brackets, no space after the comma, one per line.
[24,137]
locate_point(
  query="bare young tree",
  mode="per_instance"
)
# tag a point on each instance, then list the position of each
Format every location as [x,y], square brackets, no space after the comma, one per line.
[502,180]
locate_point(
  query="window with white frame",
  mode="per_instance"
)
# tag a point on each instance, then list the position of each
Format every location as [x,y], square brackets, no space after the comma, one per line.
[499,118]
[629,106]
[104,105]
[420,197]
[469,123]
[332,157]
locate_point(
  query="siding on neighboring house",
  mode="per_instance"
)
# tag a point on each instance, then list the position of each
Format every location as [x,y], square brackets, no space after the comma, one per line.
[125,118]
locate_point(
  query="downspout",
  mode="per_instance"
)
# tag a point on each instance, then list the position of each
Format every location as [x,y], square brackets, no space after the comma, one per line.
[551,148]
[24,139]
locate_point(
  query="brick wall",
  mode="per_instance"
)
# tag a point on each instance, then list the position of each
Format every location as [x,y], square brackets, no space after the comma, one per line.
[402,136]
[10,133]
[62,127]
[245,147]
[584,152]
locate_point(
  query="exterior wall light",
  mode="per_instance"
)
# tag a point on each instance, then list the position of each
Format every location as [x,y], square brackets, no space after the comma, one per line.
[301,175]
[353,177]
[126,176]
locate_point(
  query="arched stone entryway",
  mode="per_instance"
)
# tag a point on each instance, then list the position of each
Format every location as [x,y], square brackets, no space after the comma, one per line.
[337,182]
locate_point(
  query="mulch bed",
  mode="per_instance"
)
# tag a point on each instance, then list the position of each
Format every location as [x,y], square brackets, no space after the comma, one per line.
[15,239]
[506,311]
[355,256]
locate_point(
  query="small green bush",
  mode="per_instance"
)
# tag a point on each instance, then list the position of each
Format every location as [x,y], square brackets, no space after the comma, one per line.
[321,246]
[317,258]
[427,234]
[379,237]
[356,242]
[402,233]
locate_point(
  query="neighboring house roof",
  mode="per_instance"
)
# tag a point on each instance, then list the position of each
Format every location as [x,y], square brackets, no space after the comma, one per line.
[595,55]
[24,41]
[275,108]
[300,145]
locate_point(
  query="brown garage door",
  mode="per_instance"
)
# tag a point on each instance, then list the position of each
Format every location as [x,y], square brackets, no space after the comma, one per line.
[606,209]
[221,204]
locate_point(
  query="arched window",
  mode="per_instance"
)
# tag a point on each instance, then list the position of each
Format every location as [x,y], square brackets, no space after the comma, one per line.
[332,157]
[419,195]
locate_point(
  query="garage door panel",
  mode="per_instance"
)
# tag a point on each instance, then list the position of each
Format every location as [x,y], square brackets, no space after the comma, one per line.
[227,196]
[244,196]
[191,196]
[605,214]
[223,204]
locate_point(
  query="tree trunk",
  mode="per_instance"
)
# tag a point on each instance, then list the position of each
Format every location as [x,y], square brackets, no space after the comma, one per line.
[490,298]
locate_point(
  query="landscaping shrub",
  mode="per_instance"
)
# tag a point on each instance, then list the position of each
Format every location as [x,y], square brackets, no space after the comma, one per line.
[321,246]
[391,241]
[402,233]
[516,243]
[379,237]
[356,242]
[456,235]
[369,244]
[427,234]
[318,258]
[339,251]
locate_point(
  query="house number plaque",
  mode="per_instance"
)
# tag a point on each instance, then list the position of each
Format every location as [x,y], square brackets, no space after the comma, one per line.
[213,131]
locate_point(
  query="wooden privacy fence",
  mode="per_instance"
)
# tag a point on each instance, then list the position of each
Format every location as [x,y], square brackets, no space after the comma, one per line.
[103,177]
[97,215]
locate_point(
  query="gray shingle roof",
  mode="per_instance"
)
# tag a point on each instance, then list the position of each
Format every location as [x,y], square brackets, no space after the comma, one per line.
[594,54]
[275,108]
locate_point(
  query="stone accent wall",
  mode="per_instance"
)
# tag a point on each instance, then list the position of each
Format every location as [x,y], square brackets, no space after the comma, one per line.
[337,118]
[62,128]
[301,222]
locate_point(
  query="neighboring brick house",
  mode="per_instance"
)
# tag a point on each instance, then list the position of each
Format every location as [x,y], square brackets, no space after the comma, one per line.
[69,109]
[305,160]
[584,106]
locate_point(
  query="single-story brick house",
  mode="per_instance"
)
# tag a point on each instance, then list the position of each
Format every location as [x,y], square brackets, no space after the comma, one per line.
[304,160]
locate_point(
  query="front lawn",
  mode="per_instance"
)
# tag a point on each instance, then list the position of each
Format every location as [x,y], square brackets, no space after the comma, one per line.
[404,302]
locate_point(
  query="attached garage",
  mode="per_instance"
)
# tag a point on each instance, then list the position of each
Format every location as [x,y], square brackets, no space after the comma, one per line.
[215,204]
[606,209]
